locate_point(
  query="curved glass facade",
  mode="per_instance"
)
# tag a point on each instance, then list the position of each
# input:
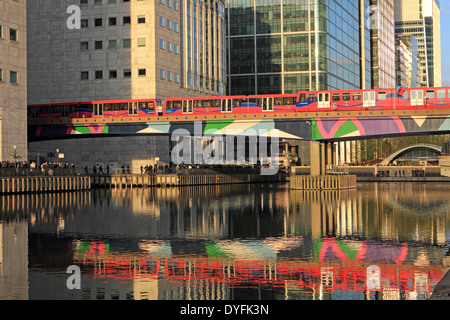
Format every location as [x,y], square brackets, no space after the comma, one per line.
[283,46]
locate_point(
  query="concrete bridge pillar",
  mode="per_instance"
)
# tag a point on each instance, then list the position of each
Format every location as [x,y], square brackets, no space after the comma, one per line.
[322,154]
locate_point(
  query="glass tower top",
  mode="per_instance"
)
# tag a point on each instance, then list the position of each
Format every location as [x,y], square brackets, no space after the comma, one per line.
[283,46]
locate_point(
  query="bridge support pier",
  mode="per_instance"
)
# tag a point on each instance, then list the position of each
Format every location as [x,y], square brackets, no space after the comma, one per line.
[322,154]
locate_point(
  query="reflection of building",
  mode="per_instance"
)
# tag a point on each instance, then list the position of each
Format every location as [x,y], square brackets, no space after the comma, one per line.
[13,80]
[14,260]
[125,50]
[408,63]
[283,47]
[421,19]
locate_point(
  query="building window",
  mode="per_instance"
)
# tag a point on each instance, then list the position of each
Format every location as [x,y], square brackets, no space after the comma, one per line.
[84,75]
[169,75]
[84,23]
[142,72]
[1,75]
[141,42]
[175,27]
[98,44]
[161,73]
[175,5]
[112,44]
[112,21]
[127,20]
[113,74]
[98,22]
[141,19]
[84,46]
[13,34]
[84,2]
[99,74]
[126,43]
[127,73]
[175,48]
[161,21]
[161,43]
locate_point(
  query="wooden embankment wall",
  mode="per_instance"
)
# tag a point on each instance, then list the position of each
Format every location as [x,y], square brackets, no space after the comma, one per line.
[10,185]
[323,182]
[167,180]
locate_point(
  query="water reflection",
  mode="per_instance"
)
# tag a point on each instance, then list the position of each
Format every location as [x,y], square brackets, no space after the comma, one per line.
[382,241]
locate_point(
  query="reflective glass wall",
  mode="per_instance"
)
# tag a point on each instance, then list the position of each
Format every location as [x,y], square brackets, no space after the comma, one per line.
[283,46]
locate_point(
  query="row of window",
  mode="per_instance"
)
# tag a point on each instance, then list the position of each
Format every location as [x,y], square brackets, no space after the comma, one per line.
[112,44]
[13,77]
[13,34]
[113,74]
[126,43]
[171,3]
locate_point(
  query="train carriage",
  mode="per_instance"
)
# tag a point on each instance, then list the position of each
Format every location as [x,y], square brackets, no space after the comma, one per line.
[346,100]
[430,98]
[328,100]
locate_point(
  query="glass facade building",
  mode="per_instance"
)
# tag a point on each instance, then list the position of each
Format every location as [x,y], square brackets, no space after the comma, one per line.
[421,19]
[383,44]
[283,46]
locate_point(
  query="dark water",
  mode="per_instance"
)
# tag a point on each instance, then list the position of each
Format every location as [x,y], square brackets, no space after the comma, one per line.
[233,242]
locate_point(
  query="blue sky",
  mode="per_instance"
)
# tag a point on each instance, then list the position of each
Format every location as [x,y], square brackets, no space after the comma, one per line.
[445,42]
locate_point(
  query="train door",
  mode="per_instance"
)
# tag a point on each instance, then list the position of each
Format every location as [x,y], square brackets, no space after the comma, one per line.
[187,106]
[132,108]
[324,100]
[267,104]
[369,99]
[98,109]
[416,97]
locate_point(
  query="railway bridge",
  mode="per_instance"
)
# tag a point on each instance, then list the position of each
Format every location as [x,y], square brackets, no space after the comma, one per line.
[136,140]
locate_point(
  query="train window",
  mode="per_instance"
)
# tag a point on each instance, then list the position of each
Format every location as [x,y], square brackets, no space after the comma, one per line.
[430,94]
[237,102]
[176,104]
[406,95]
[356,96]
[198,104]
[312,97]
[216,103]
[206,103]
[279,101]
[381,95]
[440,94]
[302,98]
[336,97]
[288,101]
[346,96]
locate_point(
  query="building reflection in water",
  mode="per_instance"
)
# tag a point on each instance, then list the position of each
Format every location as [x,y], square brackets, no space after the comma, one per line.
[381,241]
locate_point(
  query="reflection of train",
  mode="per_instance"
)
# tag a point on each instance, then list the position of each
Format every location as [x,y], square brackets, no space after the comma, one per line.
[336,268]
[345,100]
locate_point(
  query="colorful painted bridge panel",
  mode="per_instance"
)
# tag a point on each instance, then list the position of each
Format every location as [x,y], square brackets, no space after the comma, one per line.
[315,128]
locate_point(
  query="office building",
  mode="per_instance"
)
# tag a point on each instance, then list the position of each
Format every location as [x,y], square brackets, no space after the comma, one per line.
[421,19]
[382,40]
[286,46]
[125,49]
[13,81]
